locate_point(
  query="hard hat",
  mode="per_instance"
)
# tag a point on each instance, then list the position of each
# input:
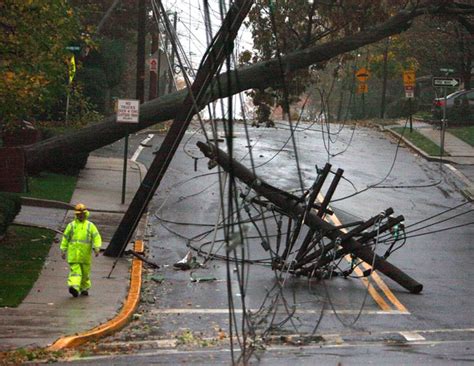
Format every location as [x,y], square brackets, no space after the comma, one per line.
[80,208]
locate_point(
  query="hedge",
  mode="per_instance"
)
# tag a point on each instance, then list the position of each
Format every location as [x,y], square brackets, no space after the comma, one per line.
[10,206]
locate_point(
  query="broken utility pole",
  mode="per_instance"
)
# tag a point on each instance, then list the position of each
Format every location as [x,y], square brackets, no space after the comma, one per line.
[217,53]
[342,243]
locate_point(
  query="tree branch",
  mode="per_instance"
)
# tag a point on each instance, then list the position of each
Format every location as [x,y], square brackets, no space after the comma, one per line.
[260,75]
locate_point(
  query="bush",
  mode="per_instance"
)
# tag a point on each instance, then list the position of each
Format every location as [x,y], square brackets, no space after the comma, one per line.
[401,108]
[10,206]
[461,114]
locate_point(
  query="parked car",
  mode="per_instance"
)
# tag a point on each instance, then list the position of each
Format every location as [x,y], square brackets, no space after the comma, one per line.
[459,105]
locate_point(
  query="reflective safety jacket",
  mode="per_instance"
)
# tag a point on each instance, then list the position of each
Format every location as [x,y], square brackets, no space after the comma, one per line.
[79,239]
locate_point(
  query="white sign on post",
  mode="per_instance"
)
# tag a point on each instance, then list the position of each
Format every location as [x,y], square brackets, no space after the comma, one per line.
[128,110]
[409,91]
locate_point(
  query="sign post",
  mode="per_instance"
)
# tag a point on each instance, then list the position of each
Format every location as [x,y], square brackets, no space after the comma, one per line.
[444,82]
[409,81]
[154,65]
[128,111]
[362,76]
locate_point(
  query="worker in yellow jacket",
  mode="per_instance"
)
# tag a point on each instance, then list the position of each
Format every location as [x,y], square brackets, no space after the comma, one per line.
[80,238]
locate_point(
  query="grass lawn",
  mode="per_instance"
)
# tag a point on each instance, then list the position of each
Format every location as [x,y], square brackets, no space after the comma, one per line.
[51,186]
[22,255]
[24,249]
[420,141]
[464,133]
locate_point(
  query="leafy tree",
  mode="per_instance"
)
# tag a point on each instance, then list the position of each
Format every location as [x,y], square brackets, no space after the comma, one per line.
[121,24]
[280,27]
[102,72]
[33,55]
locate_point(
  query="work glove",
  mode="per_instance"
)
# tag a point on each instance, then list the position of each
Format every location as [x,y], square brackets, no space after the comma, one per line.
[97,253]
[63,255]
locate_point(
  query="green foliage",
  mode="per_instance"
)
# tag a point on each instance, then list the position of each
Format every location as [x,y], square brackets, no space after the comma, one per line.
[120,25]
[103,71]
[22,254]
[95,83]
[10,206]
[81,110]
[461,114]
[33,55]
[283,27]
[401,108]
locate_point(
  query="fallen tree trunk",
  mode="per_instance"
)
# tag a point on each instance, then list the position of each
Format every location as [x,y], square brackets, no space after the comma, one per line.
[261,75]
[295,209]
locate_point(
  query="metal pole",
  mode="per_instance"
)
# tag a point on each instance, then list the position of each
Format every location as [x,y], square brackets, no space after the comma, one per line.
[171,70]
[152,92]
[384,82]
[363,105]
[410,113]
[124,176]
[67,106]
[443,123]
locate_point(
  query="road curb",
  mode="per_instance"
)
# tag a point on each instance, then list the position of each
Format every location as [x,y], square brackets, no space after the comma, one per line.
[39,202]
[437,159]
[467,192]
[120,320]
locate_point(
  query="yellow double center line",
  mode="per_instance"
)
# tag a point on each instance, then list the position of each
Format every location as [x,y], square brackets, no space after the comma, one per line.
[386,296]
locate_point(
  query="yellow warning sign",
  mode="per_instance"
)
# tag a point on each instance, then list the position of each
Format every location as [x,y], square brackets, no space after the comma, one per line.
[409,78]
[362,88]
[362,74]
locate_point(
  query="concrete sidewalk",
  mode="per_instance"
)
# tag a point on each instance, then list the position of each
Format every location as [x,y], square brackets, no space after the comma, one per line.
[49,311]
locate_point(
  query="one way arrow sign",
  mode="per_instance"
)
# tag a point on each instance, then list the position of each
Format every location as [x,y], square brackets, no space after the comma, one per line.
[440,81]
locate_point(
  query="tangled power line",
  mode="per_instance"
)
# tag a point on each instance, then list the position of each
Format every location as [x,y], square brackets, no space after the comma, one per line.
[245,217]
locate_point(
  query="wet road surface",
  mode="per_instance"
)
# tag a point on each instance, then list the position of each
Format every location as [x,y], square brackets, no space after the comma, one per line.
[349,323]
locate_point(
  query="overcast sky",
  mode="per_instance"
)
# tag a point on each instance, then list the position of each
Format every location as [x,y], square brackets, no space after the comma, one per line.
[192,32]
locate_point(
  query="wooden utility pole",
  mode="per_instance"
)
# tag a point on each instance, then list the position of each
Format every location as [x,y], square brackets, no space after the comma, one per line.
[218,52]
[141,34]
[384,82]
[152,93]
[171,68]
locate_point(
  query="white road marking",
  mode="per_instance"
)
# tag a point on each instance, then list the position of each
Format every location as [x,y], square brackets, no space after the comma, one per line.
[412,336]
[270,348]
[239,311]
[140,148]
[330,339]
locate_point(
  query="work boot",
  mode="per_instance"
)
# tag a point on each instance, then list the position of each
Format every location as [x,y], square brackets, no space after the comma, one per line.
[73,291]
[85,293]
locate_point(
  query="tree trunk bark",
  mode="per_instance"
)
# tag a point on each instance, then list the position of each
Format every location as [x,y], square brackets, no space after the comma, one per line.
[41,155]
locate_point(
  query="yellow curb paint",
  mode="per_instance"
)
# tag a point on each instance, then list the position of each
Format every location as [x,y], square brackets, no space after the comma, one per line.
[122,318]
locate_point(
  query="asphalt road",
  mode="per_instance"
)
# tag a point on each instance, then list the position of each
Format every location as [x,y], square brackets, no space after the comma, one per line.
[184,314]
